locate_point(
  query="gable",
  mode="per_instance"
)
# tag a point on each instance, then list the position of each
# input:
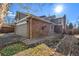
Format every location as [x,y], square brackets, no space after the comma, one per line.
[20,15]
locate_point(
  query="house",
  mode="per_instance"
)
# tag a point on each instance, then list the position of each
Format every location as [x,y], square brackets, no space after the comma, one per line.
[5,28]
[59,23]
[31,26]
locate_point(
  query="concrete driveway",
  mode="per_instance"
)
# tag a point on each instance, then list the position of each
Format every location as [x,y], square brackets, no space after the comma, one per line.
[6,38]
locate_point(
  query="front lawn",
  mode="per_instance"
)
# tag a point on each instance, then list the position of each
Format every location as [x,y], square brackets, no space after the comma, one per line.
[13,49]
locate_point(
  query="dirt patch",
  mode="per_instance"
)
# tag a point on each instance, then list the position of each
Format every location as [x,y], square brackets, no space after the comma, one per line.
[40,50]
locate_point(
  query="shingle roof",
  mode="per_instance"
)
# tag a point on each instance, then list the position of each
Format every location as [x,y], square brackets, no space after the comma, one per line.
[50,19]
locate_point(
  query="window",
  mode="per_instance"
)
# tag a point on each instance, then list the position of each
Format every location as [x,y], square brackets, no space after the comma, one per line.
[43,27]
[59,21]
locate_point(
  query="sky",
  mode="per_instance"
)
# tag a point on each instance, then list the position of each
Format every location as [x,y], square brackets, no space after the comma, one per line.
[71,10]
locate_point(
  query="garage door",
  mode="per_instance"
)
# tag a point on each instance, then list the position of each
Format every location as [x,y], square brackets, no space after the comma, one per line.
[21,30]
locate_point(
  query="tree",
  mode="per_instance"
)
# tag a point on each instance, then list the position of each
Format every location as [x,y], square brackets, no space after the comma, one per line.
[77,25]
[28,8]
[70,26]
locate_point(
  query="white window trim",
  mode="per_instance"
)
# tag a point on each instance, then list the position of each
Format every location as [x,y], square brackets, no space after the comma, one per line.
[22,19]
[21,23]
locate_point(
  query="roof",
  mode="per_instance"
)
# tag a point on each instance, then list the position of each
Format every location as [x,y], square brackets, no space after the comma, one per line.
[50,19]
[42,19]
[19,15]
[53,19]
[6,25]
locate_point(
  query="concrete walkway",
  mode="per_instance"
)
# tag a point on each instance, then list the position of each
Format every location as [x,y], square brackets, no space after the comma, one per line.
[11,37]
[77,36]
[8,38]
[39,40]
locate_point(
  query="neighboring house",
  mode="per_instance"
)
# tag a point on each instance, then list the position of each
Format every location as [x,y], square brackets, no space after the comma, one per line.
[31,26]
[60,23]
[5,28]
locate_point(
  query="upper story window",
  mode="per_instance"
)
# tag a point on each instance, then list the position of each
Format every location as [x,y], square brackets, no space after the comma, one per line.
[59,21]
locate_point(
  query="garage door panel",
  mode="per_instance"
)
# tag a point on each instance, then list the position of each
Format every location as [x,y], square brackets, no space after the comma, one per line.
[21,30]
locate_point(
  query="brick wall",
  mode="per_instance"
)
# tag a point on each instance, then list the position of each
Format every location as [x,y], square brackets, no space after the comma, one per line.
[40,28]
[34,28]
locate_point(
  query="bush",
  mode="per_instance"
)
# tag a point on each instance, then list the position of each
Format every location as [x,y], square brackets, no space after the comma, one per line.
[13,48]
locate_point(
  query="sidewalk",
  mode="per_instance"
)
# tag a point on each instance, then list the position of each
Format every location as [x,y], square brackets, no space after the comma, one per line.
[39,40]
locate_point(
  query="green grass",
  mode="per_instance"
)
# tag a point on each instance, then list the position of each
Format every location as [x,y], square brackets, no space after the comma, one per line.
[13,49]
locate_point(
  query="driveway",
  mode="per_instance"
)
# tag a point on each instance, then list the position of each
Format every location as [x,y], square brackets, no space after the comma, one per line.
[7,38]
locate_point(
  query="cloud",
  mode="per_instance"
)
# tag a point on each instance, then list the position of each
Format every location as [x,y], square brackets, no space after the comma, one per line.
[10,14]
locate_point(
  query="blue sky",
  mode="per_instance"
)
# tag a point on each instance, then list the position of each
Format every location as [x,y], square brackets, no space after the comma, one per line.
[71,10]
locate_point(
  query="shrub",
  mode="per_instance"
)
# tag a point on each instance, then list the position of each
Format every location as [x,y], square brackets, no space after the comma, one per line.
[13,48]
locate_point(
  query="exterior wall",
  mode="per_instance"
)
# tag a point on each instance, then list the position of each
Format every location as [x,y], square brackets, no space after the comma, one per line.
[33,28]
[21,28]
[61,23]
[51,29]
[58,28]
[7,29]
[40,28]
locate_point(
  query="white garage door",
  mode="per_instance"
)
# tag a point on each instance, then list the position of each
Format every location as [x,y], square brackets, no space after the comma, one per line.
[21,30]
